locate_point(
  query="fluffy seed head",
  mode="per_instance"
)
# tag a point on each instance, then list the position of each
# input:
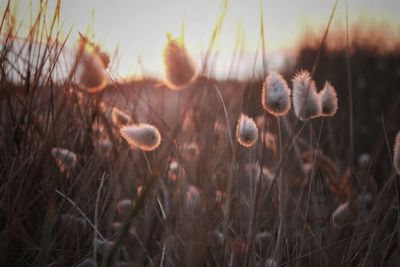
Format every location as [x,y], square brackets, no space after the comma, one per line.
[104,107]
[119,117]
[246,131]
[180,69]
[192,193]
[329,100]
[363,160]
[191,151]
[396,154]
[255,171]
[142,135]
[341,214]
[174,166]
[219,197]
[104,147]
[173,170]
[124,206]
[76,96]
[275,95]
[116,226]
[219,128]
[139,191]
[306,101]
[270,142]
[260,122]
[92,67]
[97,129]
[65,159]
[103,246]
[192,196]
[188,123]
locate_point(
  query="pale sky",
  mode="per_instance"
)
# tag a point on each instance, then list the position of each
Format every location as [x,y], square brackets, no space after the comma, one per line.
[139,27]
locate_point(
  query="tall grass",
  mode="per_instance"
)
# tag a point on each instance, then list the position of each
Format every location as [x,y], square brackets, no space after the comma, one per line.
[182,191]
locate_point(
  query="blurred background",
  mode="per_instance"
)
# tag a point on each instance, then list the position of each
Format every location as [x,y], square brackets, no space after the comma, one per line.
[138,28]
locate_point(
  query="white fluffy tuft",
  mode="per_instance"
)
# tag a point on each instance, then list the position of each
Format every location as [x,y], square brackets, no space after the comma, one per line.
[246,131]
[180,69]
[341,214]
[276,95]
[119,117]
[142,135]
[306,101]
[329,100]
[92,67]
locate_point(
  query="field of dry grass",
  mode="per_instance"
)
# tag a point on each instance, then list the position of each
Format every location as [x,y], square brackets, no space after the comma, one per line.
[99,172]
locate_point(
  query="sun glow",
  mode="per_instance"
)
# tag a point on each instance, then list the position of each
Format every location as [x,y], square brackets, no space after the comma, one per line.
[137,29]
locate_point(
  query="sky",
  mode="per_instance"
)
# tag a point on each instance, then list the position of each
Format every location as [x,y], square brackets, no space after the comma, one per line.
[139,27]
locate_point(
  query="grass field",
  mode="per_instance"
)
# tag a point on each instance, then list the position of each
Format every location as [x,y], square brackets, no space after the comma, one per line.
[96,170]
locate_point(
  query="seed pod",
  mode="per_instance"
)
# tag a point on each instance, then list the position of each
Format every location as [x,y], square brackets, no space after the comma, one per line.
[270,142]
[142,135]
[276,95]
[246,131]
[180,69]
[173,170]
[306,101]
[192,196]
[363,160]
[139,191]
[124,206]
[104,147]
[119,117]
[92,65]
[329,100]
[191,151]
[341,214]
[65,159]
